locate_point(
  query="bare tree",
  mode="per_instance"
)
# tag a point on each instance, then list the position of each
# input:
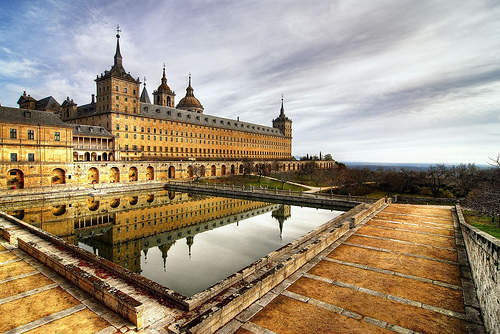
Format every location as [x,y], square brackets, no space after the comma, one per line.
[248,167]
[465,178]
[438,174]
[485,198]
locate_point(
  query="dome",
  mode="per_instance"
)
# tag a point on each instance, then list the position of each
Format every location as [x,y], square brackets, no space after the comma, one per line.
[189,102]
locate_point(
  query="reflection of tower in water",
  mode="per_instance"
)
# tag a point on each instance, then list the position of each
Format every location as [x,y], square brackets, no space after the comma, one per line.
[164,250]
[189,242]
[281,214]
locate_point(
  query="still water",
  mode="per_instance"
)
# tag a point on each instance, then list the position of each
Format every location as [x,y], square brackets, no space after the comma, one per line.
[182,241]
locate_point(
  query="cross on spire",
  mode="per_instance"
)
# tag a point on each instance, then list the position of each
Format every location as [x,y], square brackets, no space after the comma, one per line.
[144,81]
[118,31]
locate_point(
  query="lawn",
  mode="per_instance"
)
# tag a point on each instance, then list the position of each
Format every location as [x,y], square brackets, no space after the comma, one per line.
[483,222]
[252,180]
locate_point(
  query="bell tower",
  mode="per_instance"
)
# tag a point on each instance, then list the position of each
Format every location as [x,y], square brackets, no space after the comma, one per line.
[117,90]
[164,96]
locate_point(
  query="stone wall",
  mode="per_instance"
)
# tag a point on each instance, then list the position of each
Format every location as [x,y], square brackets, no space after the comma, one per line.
[483,251]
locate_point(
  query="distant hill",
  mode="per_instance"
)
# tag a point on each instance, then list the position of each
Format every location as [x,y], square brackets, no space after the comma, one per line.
[398,166]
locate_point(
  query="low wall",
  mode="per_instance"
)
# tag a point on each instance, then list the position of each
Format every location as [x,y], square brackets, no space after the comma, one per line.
[483,251]
[116,300]
[280,266]
[271,195]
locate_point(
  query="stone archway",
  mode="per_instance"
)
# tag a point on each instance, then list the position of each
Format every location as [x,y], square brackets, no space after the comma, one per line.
[133,200]
[105,156]
[114,175]
[133,174]
[202,171]
[59,210]
[93,204]
[223,170]
[150,173]
[58,176]
[213,170]
[190,171]
[241,169]
[86,156]
[75,156]
[233,170]
[15,179]
[171,172]
[93,175]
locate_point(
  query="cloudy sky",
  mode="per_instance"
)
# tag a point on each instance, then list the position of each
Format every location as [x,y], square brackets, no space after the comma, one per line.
[376,81]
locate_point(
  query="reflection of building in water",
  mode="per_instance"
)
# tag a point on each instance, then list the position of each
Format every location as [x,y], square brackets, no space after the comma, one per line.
[118,229]
[281,214]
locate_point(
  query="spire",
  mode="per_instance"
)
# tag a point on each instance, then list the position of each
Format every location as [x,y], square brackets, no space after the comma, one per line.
[282,111]
[164,78]
[118,55]
[189,89]
[145,95]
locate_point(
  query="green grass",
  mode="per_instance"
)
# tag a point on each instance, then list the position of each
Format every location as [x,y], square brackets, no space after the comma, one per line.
[252,180]
[483,222]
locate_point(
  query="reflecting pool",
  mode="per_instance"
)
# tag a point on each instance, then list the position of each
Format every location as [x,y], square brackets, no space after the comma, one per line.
[182,241]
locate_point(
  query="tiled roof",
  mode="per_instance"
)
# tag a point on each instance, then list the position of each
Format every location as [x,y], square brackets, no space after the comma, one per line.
[90,131]
[177,115]
[25,116]
[47,103]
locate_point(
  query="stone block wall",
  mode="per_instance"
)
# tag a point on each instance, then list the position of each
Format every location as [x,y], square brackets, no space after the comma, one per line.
[483,251]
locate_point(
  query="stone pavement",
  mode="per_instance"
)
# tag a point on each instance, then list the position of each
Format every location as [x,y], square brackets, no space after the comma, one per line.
[34,299]
[399,272]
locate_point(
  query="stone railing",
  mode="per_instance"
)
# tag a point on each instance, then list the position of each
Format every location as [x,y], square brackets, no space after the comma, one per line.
[270,195]
[483,251]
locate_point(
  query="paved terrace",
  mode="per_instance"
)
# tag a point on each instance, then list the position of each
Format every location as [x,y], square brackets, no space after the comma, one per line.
[399,272]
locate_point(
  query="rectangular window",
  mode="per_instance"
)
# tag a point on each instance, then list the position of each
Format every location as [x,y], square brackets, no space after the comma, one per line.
[31,134]
[31,156]
[13,157]
[57,136]
[13,133]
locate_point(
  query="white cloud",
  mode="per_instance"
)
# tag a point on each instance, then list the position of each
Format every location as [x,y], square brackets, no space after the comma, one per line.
[377,80]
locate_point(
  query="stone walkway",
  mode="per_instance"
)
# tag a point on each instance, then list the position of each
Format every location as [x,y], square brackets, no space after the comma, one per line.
[399,272]
[34,299]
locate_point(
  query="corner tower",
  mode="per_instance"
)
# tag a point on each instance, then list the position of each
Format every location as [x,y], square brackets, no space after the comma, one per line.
[283,123]
[117,90]
[164,96]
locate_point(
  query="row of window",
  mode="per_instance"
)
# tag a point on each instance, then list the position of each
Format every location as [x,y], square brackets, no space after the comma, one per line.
[13,157]
[195,150]
[31,134]
[117,89]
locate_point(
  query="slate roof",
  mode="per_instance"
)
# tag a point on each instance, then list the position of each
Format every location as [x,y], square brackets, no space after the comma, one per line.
[86,110]
[145,96]
[35,117]
[47,103]
[90,131]
[178,115]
